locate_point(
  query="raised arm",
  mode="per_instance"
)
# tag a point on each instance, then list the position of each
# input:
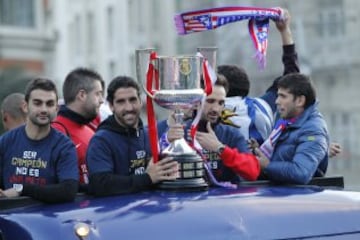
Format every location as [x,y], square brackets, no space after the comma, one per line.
[289,57]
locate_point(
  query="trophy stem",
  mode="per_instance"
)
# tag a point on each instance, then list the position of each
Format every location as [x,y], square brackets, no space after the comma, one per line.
[179,116]
[191,165]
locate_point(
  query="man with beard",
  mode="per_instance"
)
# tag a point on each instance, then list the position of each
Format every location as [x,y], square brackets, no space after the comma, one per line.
[83,94]
[35,159]
[118,154]
[222,145]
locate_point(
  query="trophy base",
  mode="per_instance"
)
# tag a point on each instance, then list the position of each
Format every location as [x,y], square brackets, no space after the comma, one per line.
[191,174]
[198,184]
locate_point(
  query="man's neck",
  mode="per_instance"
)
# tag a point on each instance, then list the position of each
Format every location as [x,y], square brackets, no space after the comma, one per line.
[298,113]
[75,107]
[35,132]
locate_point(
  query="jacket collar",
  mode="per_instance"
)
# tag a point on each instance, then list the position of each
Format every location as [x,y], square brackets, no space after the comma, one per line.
[68,113]
[305,115]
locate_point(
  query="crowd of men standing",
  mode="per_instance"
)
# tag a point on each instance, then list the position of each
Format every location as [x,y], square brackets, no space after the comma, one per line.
[50,153]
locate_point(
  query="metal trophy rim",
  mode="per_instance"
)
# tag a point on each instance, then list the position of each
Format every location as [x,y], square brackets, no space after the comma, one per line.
[178,56]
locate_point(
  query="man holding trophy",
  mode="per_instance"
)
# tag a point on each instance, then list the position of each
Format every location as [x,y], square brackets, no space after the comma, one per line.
[118,154]
[223,147]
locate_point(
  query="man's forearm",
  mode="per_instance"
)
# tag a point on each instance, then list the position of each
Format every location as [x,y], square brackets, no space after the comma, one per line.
[53,193]
[106,183]
[286,37]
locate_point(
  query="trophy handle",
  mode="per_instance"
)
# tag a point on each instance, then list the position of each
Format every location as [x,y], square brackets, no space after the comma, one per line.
[148,93]
[208,66]
[142,59]
[210,54]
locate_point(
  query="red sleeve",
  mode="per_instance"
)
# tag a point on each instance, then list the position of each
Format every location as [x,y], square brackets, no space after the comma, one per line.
[245,165]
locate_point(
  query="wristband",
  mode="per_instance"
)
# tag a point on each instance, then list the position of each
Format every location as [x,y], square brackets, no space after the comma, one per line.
[220,149]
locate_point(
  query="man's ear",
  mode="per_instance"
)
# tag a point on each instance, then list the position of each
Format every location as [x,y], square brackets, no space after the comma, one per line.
[81,94]
[111,106]
[24,107]
[300,101]
[57,107]
[142,98]
[4,116]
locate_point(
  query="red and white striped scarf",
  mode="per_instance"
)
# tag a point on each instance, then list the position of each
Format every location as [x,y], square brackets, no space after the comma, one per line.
[212,18]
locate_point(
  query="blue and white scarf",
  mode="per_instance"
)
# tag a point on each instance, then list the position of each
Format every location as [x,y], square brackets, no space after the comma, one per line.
[269,145]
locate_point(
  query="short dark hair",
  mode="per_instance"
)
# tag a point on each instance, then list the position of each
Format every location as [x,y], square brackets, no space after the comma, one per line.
[239,84]
[40,83]
[121,82]
[222,81]
[78,79]
[299,84]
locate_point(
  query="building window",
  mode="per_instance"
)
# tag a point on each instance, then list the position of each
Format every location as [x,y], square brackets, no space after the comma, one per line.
[78,36]
[18,13]
[91,41]
[156,6]
[112,69]
[345,119]
[110,28]
[331,19]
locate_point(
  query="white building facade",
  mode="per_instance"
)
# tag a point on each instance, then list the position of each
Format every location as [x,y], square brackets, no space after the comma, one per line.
[104,34]
[25,37]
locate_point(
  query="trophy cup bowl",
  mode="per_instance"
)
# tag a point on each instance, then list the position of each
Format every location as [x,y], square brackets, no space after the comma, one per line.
[179,90]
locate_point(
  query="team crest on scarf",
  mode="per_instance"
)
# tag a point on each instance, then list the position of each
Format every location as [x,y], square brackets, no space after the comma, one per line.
[205,20]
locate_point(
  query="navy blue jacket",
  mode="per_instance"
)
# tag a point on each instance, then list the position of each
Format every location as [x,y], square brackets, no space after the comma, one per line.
[117,158]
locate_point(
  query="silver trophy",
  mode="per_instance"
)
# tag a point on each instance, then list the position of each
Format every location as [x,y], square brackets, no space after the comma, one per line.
[179,89]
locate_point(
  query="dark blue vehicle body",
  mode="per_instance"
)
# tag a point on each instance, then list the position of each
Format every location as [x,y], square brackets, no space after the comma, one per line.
[248,212]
